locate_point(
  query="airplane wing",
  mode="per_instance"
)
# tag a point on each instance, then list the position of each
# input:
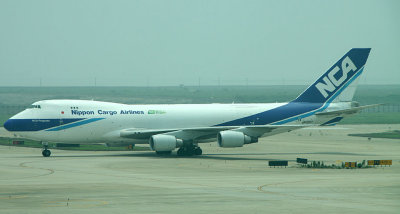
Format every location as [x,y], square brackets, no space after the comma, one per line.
[201,133]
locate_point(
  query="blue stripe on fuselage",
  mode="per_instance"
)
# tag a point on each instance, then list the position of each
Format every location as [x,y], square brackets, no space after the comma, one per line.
[75,124]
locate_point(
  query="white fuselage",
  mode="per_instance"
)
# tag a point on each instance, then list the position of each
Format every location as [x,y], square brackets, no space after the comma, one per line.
[102,122]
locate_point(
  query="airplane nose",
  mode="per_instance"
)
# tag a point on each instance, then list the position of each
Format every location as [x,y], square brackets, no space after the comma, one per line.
[8,125]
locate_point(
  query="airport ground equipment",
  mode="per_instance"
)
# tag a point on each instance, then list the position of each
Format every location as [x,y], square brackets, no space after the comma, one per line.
[277,163]
[302,160]
[379,162]
[18,142]
[350,164]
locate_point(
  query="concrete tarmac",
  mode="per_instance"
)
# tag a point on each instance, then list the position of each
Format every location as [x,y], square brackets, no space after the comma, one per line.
[220,181]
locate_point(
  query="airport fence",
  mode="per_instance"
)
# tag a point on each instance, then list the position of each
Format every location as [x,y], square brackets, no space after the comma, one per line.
[388,108]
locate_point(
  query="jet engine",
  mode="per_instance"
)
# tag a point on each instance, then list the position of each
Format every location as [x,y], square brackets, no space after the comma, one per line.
[229,139]
[164,143]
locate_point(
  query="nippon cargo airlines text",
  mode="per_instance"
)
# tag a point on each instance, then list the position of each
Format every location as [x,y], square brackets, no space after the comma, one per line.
[103,112]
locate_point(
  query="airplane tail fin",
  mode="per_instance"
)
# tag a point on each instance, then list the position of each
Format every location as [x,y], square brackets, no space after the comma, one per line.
[339,83]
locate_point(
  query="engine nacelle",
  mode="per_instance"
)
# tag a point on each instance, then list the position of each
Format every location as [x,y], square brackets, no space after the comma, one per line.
[229,139]
[164,143]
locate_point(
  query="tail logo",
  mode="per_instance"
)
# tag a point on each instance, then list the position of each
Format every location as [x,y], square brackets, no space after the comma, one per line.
[332,81]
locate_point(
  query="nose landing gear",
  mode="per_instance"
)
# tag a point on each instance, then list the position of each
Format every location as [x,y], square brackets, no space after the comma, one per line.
[45,151]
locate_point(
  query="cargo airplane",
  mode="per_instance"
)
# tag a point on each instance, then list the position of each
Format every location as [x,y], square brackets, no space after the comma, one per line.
[185,126]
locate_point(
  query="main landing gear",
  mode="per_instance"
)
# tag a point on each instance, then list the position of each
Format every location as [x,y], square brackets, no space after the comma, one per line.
[45,151]
[189,150]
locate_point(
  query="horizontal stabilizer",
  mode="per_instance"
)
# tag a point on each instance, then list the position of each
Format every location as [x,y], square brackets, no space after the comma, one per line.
[347,111]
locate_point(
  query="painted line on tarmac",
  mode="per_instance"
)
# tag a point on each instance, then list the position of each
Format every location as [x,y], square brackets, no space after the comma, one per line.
[24,165]
[77,203]
[262,189]
[11,197]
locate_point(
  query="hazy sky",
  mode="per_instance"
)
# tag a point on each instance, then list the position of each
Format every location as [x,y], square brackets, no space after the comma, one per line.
[135,43]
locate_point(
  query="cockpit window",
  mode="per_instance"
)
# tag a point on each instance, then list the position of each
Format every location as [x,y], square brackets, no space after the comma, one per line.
[35,106]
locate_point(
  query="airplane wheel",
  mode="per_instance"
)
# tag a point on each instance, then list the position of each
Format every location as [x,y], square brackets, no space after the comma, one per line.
[180,152]
[46,153]
[198,151]
[189,151]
